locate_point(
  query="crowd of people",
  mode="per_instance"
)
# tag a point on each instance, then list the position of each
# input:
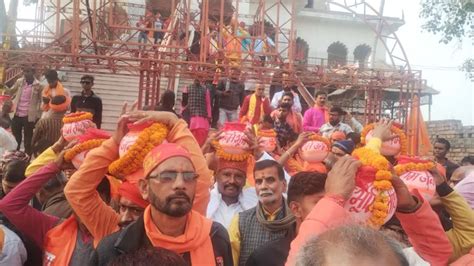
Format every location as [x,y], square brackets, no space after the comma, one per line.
[33,112]
[163,189]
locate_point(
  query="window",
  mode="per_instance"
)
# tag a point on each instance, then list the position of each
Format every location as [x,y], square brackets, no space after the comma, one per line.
[361,54]
[337,54]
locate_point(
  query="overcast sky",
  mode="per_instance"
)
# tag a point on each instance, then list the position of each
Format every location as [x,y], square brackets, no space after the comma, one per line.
[439,62]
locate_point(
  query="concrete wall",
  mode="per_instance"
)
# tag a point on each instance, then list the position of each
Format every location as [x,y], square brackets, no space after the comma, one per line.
[461,137]
[320,33]
[320,29]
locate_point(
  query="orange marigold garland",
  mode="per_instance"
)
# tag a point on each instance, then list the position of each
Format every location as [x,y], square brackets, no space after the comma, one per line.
[86,145]
[317,137]
[76,117]
[132,161]
[267,133]
[395,130]
[228,156]
[382,183]
[294,166]
[400,169]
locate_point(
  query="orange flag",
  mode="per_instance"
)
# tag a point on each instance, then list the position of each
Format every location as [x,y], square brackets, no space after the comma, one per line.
[419,143]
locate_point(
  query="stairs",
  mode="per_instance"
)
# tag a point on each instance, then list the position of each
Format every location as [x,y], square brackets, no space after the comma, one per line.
[113,89]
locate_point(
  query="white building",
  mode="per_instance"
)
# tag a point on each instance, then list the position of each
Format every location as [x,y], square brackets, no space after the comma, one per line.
[330,33]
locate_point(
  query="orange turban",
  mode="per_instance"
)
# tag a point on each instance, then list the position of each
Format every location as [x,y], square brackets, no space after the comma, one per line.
[238,165]
[338,135]
[161,153]
[130,192]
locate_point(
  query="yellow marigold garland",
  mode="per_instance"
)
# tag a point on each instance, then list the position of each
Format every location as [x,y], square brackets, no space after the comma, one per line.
[86,145]
[227,156]
[132,160]
[76,117]
[394,129]
[382,183]
[400,169]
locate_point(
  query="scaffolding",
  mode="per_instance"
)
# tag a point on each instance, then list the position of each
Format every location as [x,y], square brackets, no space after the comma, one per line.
[204,39]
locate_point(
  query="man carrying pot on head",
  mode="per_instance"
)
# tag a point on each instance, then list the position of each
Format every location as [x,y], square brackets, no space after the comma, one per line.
[173,177]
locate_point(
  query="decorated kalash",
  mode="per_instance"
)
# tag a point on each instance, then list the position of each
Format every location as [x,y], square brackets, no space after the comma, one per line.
[310,155]
[232,147]
[134,146]
[61,239]
[374,199]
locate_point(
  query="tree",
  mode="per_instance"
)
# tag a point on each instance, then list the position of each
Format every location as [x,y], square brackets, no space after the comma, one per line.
[452,19]
[468,67]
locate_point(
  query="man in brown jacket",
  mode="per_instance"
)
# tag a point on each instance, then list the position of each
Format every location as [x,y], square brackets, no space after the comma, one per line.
[26,94]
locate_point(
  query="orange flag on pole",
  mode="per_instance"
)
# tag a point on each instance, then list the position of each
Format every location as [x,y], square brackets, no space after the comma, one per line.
[419,143]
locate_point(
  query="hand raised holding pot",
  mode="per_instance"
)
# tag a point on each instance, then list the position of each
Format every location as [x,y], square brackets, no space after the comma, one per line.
[341,178]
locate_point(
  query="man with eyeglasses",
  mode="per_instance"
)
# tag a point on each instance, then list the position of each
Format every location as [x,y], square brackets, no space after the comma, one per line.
[88,101]
[175,180]
[169,222]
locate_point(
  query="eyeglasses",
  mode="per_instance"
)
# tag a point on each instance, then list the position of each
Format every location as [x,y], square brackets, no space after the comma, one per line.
[85,82]
[169,176]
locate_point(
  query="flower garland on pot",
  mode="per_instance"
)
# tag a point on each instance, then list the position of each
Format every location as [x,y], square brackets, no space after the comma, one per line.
[76,117]
[317,137]
[270,133]
[400,169]
[297,165]
[395,130]
[382,183]
[229,156]
[132,161]
[85,146]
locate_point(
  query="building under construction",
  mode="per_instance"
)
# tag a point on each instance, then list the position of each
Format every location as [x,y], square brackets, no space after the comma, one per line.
[137,49]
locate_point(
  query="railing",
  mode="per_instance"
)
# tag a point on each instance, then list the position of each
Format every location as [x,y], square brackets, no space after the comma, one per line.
[12,74]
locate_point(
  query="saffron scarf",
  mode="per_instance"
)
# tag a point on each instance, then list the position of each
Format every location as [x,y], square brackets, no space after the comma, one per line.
[47,93]
[60,243]
[323,109]
[2,239]
[294,121]
[253,107]
[196,238]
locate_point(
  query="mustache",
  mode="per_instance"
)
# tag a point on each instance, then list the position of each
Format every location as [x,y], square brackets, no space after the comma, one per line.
[265,192]
[231,185]
[178,195]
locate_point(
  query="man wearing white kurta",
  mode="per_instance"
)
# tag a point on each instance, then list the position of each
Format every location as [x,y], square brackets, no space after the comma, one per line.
[229,196]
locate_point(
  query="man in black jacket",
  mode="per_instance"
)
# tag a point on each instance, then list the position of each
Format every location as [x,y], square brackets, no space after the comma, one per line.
[88,101]
[304,191]
[231,95]
[169,184]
